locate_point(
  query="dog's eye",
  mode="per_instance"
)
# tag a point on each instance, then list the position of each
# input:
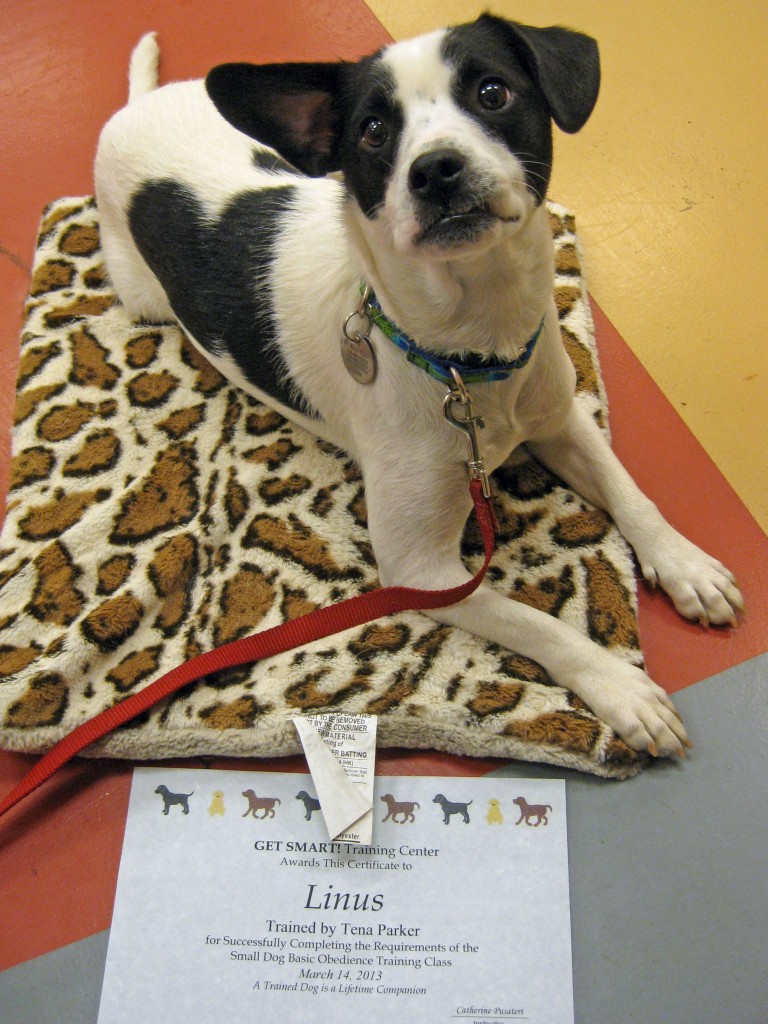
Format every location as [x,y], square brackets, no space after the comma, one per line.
[493,94]
[374,133]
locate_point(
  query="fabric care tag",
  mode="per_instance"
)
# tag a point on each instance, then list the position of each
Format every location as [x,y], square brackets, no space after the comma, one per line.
[341,754]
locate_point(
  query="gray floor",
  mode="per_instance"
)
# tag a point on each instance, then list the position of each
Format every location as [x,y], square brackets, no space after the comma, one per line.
[669,884]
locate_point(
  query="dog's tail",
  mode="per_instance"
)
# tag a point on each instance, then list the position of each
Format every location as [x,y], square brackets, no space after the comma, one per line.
[142,73]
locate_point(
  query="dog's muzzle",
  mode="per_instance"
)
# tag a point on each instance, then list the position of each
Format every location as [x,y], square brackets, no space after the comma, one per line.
[451,211]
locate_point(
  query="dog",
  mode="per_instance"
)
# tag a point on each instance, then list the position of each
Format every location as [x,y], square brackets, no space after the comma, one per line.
[450,808]
[401,807]
[494,815]
[253,206]
[311,804]
[265,804]
[530,811]
[170,799]
[217,804]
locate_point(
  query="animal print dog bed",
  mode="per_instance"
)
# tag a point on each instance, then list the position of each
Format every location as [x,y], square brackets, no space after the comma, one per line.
[156,511]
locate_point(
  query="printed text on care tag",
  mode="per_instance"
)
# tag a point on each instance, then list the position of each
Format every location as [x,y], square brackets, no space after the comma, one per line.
[341,754]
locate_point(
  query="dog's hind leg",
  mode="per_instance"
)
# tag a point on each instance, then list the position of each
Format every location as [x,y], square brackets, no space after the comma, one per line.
[699,586]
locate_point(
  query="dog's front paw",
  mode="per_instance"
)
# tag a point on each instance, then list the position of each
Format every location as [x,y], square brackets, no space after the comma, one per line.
[637,710]
[700,587]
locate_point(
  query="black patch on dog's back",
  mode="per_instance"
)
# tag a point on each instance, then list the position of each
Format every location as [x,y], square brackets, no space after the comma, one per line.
[216,273]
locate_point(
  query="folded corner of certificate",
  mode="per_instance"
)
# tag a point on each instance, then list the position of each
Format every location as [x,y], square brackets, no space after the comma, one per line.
[345,794]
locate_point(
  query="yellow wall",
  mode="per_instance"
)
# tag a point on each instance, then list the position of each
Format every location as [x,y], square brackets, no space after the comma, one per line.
[668,182]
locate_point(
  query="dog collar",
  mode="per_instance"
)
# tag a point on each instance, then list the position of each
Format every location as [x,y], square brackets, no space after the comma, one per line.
[474,370]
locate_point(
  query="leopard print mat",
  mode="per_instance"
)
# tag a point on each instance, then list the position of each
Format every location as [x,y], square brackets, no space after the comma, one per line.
[157,511]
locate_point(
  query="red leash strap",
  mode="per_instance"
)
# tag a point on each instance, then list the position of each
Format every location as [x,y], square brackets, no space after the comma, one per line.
[314,626]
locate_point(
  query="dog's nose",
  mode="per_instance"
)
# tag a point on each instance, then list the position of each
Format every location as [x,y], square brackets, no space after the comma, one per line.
[437,175]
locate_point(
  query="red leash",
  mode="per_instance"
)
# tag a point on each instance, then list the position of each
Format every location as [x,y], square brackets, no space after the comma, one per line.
[323,622]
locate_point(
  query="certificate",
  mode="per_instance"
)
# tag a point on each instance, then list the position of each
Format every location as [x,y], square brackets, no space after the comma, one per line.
[234,906]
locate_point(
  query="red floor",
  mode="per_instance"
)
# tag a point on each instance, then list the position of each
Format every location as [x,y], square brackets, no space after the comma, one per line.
[64,71]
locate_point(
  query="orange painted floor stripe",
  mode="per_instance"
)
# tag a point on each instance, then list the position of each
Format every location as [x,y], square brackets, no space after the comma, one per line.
[64,68]
[673,469]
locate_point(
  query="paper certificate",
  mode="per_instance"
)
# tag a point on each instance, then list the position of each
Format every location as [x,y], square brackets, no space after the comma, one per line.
[233,906]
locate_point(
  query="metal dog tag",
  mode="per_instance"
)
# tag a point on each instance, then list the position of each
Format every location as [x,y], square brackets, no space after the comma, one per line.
[359,358]
[356,350]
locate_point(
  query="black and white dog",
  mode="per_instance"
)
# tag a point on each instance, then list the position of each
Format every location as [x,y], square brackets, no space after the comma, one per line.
[260,249]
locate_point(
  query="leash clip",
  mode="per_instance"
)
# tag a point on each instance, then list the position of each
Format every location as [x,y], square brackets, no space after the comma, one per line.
[363,314]
[468,424]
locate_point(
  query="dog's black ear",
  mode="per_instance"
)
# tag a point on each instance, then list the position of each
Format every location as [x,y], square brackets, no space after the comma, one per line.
[564,64]
[290,107]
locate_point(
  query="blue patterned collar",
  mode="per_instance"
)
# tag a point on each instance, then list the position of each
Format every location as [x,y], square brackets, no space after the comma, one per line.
[475,370]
